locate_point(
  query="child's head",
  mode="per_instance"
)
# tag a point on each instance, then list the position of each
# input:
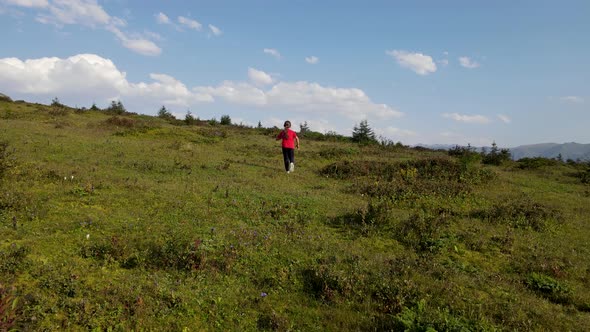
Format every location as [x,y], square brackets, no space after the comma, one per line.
[287,124]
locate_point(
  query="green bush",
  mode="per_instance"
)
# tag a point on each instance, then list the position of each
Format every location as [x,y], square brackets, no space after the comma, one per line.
[548,287]
[535,163]
[13,259]
[7,160]
[520,212]
[8,308]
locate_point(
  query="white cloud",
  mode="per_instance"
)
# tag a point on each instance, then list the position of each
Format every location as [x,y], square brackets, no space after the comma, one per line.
[87,77]
[237,93]
[443,62]
[162,18]
[189,23]
[467,118]
[504,118]
[396,132]
[421,64]
[88,13]
[259,77]
[140,45]
[468,63]
[28,3]
[83,12]
[311,97]
[572,99]
[312,60]
[215,30]
[272,52]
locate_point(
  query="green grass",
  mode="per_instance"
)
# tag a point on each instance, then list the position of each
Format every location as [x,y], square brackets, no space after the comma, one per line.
[132,223]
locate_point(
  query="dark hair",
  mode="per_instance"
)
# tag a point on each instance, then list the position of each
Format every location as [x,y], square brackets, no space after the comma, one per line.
[287,123]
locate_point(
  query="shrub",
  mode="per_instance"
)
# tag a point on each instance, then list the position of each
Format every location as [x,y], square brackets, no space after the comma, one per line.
[163,113]
[116,107]
[363,134]
[496,156]
[334,152]
[121,122]
[225,120]
[520,212]
[7,161]
[13,259]
[423,231]
[535,163]
[548,287]
[8,308]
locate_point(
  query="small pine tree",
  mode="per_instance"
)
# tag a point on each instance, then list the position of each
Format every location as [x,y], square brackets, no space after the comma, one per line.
[163,113]
[94,107]
[259,125]
[189,119]
[303,128]
[363,134]
[116,107]
[225,120]
[56,103]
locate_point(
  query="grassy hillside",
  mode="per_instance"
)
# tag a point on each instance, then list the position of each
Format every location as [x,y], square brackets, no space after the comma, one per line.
[132,223]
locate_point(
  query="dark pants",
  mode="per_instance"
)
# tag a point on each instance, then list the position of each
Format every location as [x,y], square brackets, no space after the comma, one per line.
[289,157]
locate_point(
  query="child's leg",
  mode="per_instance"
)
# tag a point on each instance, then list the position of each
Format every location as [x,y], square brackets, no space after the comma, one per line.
[292,155]
[286,159]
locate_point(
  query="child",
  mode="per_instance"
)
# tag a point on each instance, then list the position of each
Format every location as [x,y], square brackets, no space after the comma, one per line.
[290,142]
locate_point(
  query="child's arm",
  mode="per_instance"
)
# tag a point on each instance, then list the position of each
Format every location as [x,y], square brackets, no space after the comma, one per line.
[297,142]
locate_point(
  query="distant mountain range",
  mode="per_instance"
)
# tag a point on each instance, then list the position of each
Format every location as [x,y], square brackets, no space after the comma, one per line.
[571,150]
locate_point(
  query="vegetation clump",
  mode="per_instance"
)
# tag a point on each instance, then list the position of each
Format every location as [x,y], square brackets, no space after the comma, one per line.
[521,212]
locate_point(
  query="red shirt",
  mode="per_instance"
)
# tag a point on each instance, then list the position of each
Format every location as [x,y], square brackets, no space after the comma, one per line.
[288,138]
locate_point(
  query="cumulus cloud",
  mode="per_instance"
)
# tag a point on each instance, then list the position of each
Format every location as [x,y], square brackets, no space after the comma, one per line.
[215,30]
[396,132]
[86,77]
[572,99]
[89,77]
[468,62]
[312,60]
[259,77]
[421,64]
[311,97]
[504,118]
[189,23]
[161,18]
[139,45]
[272,52]
[467,118]
[28,3]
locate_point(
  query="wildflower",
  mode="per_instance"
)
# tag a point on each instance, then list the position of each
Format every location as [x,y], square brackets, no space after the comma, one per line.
[263,294]
[87,236]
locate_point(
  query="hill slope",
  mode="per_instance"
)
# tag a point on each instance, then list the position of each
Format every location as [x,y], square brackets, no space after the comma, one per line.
[132,223]
[573,151]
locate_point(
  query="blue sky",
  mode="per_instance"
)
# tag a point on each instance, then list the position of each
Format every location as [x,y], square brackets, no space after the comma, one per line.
[434,72]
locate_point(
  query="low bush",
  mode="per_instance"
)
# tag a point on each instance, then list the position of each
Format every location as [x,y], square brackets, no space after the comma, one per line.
[7,160]
[121,122]
[535,163]
[13,259]
[521,212]
[8,308]
[548,287]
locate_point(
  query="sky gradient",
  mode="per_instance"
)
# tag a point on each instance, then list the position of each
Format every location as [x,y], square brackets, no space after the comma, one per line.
[433,72]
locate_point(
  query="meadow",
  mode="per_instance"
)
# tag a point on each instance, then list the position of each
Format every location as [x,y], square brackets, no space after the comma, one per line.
[130,222]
